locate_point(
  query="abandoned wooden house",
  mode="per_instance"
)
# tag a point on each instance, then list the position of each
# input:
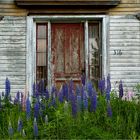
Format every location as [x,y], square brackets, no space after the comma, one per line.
[57,40]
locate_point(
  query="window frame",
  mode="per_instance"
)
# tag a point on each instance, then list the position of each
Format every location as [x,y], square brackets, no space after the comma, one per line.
[31,44]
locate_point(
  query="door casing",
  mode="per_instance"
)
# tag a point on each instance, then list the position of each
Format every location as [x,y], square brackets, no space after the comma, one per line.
[31,44]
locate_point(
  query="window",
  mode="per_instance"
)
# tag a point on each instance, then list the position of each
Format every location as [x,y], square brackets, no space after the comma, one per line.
[95,51]
[41,53]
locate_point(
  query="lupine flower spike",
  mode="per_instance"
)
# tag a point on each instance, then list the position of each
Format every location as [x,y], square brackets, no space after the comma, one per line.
[74,105]
[109,110]
[28,108]
[93,102]
[120,89]
[36,109]
[79,102]
[101,85]
[10,129]
[90,89]
[85,102]
[60,95]
[19,129]
[65,91]
[35,128]
[108,89]
[46,94]
[83,79]
[7,88]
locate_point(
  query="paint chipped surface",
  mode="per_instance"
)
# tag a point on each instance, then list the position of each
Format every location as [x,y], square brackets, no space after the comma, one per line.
[67,51]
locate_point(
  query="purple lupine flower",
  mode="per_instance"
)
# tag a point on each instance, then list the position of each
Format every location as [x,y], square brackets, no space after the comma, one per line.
[90,89]
[35,128]
[79,102]
[109,110]
[83,79]
[41,87]
[108,89]
[74,105]
[78,90]
[34,90]
[53,92]
[28,108]
[60,96]
[36,109]
[65,91]
[101,85]
[46,94]
[71,86]
[22,99]
[93,100]
[71,93]
[10,130]
[20,124]
[85,102]
[15,101]
[82,92]
[18,97]
[7,87]
[53,102]
[37,91]
[108,97]
[120,89]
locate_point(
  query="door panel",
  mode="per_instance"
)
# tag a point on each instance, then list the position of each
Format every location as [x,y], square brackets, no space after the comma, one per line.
[67,52]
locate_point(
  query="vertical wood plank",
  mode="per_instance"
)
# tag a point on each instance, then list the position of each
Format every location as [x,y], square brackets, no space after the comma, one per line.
[29,73]
[49,57]
[86,51]
[105,45]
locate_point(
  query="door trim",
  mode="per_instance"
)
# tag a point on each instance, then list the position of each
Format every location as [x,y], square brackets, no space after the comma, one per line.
[31,44]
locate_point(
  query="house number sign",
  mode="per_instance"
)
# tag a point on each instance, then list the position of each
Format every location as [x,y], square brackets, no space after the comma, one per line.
[117,52]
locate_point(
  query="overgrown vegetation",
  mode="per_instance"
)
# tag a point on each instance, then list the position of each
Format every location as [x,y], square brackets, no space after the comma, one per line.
[70,113]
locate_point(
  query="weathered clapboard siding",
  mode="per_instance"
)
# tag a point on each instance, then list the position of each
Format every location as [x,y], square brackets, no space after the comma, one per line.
[126,7]
[8,8]
[13,52]
[125,36]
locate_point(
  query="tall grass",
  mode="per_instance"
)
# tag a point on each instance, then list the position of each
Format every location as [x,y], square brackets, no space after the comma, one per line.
[70,113]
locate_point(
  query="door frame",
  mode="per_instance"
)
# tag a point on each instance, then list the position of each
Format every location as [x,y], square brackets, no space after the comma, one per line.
[31,44]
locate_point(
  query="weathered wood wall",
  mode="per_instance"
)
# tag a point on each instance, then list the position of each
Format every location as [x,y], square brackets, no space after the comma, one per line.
[126,7]
[8,7]
[125,38]
[12,52]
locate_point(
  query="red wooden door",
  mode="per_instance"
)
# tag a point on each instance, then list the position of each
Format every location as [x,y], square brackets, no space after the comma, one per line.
[67,52]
